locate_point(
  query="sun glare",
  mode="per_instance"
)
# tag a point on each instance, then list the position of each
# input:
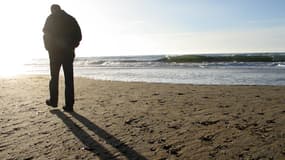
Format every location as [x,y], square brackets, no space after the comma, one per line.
[8,69]
[21,35]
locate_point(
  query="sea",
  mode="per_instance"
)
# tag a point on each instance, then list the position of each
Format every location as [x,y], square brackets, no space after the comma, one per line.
[150,69]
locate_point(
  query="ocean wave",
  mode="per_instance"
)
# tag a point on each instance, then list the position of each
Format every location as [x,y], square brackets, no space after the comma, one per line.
[159,61]
[256,57]
[151,69]
[280,65]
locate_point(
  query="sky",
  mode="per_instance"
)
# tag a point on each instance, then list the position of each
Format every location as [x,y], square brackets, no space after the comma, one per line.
[147,27]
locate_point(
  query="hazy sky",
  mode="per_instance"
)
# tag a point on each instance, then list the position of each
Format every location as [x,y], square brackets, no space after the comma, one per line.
[137,27]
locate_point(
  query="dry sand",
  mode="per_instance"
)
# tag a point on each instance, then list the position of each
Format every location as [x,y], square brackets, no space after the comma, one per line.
[119,120]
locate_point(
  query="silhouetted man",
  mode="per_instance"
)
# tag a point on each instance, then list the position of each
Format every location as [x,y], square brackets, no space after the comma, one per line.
[62,35]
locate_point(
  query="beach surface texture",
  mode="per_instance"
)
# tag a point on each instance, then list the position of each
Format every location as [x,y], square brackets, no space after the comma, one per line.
[126,120]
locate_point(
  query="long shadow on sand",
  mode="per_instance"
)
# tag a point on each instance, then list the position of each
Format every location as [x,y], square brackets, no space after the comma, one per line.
[84,137]
[87,140]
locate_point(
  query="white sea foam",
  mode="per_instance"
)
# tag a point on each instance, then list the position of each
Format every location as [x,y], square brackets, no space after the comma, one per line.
[149,69]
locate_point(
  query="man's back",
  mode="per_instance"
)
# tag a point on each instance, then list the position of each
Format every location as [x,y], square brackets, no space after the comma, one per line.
[62,30]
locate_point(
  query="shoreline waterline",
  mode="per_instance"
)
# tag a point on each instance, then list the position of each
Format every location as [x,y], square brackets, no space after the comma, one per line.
[151,70]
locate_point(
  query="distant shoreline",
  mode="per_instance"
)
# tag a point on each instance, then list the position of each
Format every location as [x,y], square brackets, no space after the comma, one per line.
[180,56]
[238,57]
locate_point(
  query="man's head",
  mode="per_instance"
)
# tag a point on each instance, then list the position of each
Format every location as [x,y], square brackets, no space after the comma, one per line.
[55,8]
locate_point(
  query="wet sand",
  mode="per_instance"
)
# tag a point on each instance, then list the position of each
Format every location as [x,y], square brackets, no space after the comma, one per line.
[122,120]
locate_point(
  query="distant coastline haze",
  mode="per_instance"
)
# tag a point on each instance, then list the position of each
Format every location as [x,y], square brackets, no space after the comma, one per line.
[162,27]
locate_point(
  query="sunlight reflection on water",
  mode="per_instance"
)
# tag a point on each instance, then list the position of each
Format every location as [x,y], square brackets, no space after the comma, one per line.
[219,74]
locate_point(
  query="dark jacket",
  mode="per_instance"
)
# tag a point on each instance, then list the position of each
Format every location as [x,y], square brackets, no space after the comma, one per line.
[61,31]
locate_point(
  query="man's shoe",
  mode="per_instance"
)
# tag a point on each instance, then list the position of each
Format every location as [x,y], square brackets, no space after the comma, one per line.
[49,103]
[68,108]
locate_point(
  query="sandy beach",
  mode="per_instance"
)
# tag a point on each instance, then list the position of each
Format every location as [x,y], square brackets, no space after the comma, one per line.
[124,120]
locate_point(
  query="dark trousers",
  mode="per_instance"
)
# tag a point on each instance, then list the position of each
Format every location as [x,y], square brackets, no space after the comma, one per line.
[65,59]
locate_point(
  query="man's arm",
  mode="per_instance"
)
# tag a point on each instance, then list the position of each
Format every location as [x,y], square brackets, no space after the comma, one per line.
[48,27]
[47,37]
[77,33]
[45,29]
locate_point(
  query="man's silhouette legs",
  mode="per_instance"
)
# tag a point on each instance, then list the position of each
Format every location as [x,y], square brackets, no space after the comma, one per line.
[53,83]
[66,60]
[69,83]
